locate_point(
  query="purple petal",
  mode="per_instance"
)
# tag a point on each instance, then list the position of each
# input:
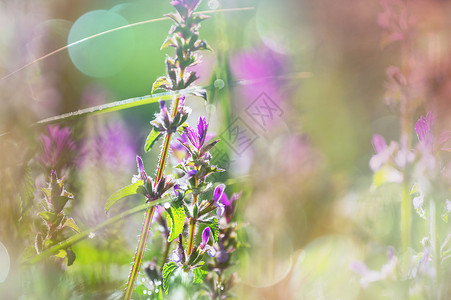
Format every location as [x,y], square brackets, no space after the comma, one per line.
[202,127]
[223,256]
[192,173]
[220,210]
[176,190]
[182,100]
[140,164]
[211,251]
[162,104]
[205,237]
[423,129]
[379,143]
[219,190]
[192,136]
[359,267]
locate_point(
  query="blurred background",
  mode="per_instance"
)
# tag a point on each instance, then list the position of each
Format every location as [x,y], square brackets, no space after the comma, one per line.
[296,91]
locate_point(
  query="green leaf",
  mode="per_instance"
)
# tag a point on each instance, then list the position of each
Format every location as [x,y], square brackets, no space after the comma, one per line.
[214,226]
[181,128]
[169,42]
[151,139]
[161,83]
[70,223]
[61,253]
[47,192]
[109,107]
[176,220]
[124,192]
[200,93]
[48,216]
[200,273]
[168,269]
[59,202]
[70,256]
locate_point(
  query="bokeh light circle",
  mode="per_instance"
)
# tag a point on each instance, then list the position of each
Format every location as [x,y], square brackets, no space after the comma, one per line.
[269,257]
[323,268]
[105,55]
[276,26]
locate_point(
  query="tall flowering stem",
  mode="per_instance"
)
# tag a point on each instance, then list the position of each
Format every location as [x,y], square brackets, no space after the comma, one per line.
[184,38]
[397,26]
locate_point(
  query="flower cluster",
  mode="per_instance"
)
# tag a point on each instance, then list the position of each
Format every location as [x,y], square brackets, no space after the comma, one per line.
[165,122]
[58,148]
[152,190]
[189,217]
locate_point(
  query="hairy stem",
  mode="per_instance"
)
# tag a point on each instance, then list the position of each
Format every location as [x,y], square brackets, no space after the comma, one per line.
[167,246]
[149,214]
[192,229]
[139,253]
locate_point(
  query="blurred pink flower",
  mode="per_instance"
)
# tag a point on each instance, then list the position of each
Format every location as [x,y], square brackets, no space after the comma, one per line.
[394,20]
[427,140]
[58,148]
[260,69]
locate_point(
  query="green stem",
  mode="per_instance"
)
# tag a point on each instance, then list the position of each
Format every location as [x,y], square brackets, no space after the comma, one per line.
[139,253]
[149,214]
[434,242]
[192,230]
[167,245]
[406,221]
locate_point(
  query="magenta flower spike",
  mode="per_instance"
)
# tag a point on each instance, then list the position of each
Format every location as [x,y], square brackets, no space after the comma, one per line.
[58,148]
[197,139]
[229,205]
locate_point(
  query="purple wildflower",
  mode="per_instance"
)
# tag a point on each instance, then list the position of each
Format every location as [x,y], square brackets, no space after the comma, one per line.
[389,154]
[394,21]
[427,140]
[142,175]
[223,255]
[260,69]
[204,246]
[112,146]
[217,196]
[205,237]
[423,129]
[152,190]
[197,139]
[177,190]
[191,173]
[229,205]
[177,254]
[58,148]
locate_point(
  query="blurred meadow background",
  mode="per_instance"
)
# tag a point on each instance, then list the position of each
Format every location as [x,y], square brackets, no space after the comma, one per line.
[296,91]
